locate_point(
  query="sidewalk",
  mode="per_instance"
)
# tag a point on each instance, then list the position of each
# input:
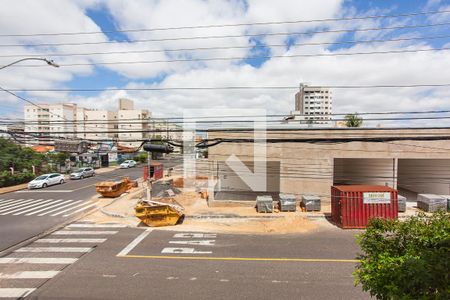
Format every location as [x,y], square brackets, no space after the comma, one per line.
[200,217]
[13,188]
[23,186]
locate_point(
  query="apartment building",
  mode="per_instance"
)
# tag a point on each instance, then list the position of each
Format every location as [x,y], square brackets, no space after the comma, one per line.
[313,104]
[133,124]
[55,120]
[99,125]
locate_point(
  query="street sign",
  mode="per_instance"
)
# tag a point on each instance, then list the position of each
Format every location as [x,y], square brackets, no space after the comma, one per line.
[376,198]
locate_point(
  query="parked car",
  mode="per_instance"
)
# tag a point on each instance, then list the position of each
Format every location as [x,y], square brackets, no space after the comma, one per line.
[82,173]
[46,180]
[128,164]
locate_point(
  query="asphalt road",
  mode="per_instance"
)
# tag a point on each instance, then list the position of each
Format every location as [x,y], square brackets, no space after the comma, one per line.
[24,214]
[167,265]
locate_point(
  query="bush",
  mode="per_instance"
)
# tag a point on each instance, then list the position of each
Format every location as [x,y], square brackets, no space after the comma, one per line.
[141,157]
[406,260]
[6,179]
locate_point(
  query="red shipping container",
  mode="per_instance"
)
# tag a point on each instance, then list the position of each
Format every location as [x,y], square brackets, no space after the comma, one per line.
[352,206]
[156,171]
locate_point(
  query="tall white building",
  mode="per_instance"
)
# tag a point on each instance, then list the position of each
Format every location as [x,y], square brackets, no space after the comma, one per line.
[55,120]
[99,125]
[133,124]
[69,121]
[313,104]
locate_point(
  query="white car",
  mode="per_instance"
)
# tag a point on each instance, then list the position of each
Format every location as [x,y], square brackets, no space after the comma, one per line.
[128,164]
[46,180]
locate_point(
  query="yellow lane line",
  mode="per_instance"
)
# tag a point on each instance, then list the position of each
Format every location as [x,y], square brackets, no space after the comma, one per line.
[243,258]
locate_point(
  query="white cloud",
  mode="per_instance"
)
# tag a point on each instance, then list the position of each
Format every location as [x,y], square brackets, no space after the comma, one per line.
[65,16]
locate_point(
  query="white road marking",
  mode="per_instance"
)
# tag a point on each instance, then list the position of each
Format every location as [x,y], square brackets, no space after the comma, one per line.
[55,249]
[17,204]
[96,226]
[9,201]
[38,207]
[16,208]
[26,207]
[80,210]
[46,191]
[195,235]
[37,260]
[74,232]
[184,251]
[69,209]
[200,242]
[61,207]
[56,241]
[15,292]
[135,242]
[55,203]
[29,275]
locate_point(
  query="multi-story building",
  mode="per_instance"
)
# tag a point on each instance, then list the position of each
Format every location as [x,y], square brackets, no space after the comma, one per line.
[313,104]
[16,129]
[99,125]
[51,120]
[133,124]
[128,126]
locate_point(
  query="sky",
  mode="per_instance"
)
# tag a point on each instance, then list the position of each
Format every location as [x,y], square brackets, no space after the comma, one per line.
[260,57]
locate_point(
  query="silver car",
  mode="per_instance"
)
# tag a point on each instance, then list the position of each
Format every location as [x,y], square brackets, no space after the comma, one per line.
[82,173]
[46,180]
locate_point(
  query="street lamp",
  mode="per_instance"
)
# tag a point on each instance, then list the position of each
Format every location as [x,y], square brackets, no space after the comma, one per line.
[48,61]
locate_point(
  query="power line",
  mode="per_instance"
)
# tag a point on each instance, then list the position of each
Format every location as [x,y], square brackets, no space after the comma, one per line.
[228,47]
[230,36]
[232,25]
[179,123]
[236,88]
[240,58]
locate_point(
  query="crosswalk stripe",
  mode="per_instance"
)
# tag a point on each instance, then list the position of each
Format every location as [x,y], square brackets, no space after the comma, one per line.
[43,204]
[69,209]
[56,241]
[15,207]
[96,226]
[55,249]
[37,203]
[9,201]
[15,292]
[74,232]
[80,210]
[37,260]
[29,275]
[15,204]
[61,207]
[55,203]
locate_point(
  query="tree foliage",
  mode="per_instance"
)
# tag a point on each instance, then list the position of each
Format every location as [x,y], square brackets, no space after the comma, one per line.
[353,120]
[18,157]
[406,260]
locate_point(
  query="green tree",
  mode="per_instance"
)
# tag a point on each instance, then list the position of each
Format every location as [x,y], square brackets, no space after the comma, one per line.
[353,120]
[406,260]
[18,157]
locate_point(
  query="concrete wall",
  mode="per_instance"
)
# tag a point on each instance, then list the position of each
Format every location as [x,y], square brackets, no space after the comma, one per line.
[307,168]
[372,171]
[424,176]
